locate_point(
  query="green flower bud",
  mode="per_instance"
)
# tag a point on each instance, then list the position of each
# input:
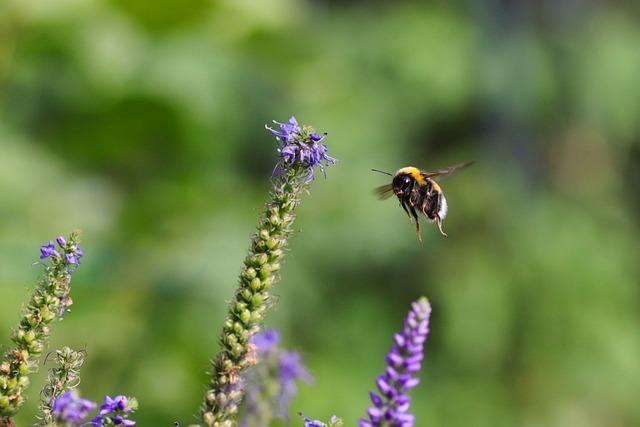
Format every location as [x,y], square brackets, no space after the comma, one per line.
[221,399]
[246,295]
[256,316]
[261,259]
[23,369]
[276,254]
[265,271]
[29,336]
[232,409]
[46,314]
[245,316]
[249,273]
[273,243]
[208,418]
[237,351]
[231,340]
[255,284]
[238,328]
[240,307]
[268,282]
[274,220]
[35,347]
[257,300]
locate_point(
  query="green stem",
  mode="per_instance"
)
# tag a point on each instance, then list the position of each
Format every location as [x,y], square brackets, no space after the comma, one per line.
[246,311]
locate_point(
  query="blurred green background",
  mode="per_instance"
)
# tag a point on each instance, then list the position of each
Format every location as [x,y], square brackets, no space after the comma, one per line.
[141,123]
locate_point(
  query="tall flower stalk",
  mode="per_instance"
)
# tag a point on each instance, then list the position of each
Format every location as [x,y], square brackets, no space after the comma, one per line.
[391,405]
[300,150]
[49,302]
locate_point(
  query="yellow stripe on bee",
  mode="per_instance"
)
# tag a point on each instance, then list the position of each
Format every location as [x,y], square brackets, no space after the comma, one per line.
[435,186]
[415,173]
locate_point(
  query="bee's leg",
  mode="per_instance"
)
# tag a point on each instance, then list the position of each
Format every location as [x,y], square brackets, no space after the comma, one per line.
[415,217]
[404,206]
[439,222]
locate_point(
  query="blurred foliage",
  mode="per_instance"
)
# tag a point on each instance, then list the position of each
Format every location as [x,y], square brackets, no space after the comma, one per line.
[141,123]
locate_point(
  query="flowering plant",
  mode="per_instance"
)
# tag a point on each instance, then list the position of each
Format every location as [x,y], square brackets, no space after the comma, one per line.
[252,379]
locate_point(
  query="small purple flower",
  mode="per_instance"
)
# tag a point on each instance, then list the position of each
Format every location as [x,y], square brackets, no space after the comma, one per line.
[69,407]
[61,241]
[48,250]
[291,370]
[120,420]
[71,259]
[266,341]
[288,131]
[271,384]
[115,410]
[118,403]
[73,255]
[391,403]
[300,148]
[308,422]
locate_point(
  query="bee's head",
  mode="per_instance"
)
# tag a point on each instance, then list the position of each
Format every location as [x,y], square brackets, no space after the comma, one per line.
[402,184]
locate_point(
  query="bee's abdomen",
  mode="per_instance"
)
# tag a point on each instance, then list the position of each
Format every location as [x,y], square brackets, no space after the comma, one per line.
[433,202]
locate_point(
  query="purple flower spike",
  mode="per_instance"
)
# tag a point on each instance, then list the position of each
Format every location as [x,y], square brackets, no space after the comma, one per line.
[391,405]
[48,250]
[300,149]
[70,408]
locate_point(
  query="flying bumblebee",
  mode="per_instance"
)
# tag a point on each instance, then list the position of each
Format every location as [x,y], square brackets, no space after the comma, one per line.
[417,190]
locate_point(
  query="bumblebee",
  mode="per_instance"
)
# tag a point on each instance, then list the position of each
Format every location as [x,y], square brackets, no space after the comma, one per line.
[418,191]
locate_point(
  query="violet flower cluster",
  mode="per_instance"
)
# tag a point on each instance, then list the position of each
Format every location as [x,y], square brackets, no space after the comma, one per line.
[70,252]
[116,411]
[391,405]
[70,409]
[300,148]
[271,383]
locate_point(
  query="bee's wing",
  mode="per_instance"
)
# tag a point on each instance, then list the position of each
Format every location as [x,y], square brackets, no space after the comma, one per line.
[447,171]
[384,191]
